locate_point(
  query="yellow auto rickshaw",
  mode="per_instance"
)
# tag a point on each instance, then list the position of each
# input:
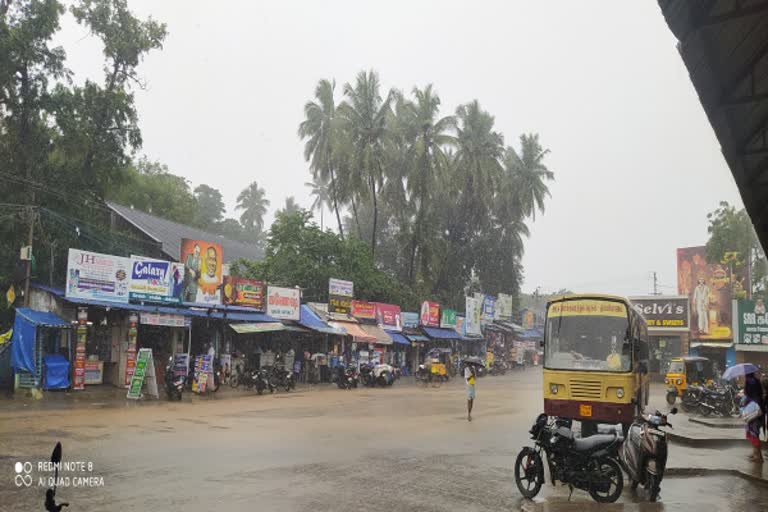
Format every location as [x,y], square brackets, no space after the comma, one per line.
[686,371]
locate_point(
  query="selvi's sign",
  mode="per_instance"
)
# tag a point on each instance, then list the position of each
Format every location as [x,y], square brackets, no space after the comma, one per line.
[666,313]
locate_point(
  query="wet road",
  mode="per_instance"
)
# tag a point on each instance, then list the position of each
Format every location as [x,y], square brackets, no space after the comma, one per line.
[399,449]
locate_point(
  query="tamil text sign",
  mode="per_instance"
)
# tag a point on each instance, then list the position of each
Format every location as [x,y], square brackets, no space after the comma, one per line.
[243,292]
[340,295]
[284,303]
[752,322]
[389,316]
[362,309]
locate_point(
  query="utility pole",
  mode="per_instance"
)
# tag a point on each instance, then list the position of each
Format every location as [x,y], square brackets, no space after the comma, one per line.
[30,238]
[655,284]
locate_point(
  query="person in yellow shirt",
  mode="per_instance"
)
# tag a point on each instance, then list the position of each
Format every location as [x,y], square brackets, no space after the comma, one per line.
[470,377]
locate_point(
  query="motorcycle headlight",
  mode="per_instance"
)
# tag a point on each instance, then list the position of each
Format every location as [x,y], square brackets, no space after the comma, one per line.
[620,392]
[553,389]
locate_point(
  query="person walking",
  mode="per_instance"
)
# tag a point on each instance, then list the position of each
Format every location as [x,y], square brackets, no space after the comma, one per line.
[470,377]
[753,391]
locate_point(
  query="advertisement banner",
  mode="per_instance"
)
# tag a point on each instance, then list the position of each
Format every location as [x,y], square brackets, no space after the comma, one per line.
[472,316]
[752,322]
[202,271]
[504,307]
[156,280]
[410,320]
[663,313]
[91,275]
[430,314]
[239,291]
[362,309]
[340,295]
[180,364]
[389,316]
[529,319]
[708,288]
[284,303]
[489,308]
[448,318]
[164,319]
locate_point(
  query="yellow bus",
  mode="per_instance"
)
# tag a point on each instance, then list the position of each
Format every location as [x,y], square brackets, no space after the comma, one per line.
[595,360]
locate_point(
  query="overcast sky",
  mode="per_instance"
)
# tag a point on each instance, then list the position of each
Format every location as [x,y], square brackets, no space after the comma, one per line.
[637,165]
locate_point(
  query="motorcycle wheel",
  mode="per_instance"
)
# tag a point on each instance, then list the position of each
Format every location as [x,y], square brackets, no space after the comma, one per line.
[216,385]
[671,398]
[234,381]
[529,472]
[704,410]
[653,487]
[687,407]
[609,469]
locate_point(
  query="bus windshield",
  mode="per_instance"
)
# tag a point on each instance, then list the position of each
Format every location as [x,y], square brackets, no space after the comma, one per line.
[588,339]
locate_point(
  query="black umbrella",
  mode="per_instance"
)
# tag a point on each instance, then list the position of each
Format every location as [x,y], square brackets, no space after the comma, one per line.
[474,360]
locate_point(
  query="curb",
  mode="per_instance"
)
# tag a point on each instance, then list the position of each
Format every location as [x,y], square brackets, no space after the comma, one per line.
[733,425]
[708,442]
[692,472]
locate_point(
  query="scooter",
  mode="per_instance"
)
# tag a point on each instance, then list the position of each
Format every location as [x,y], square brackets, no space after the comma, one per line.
[263,383]
[383,375]
[644,453]
[174,384]
[50,494]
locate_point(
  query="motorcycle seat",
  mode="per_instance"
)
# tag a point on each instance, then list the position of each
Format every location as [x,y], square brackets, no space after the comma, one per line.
[592,442]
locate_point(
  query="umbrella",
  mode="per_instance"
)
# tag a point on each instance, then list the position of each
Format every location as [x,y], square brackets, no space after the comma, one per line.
[474,360]
[739,370]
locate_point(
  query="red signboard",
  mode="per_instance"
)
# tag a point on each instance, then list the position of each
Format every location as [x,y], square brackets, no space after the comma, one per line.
[388,316]
[430,314]
[244,292]
[362,309]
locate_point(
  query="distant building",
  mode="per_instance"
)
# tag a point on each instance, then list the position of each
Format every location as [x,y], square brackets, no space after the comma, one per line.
[169,234]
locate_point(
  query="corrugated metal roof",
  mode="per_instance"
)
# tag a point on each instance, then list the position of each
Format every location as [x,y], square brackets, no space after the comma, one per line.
[170,233]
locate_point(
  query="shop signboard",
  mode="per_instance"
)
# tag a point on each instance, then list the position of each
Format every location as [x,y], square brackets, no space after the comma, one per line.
[410,320]
[430,314]
[91,275]
[751,322]
[460,325]
[504,307]
[284,303]
[489,308]
[708,286]
[239,291]
[472,316]
[202,271]
[202,373]
[156,280]
[448,318]
[162,319]
[389,317]
[145,370]
[363,310]
[180,364]
[340,294]
[663,313]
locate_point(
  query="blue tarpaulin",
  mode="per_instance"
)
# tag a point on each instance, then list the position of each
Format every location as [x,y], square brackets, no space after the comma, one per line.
[441,334]
[311,321]
[24,331]
[56,372]
[397,337]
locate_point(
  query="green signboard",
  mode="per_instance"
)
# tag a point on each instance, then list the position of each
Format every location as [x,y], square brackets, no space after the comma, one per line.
[137,381]
[448,318]
[752,321]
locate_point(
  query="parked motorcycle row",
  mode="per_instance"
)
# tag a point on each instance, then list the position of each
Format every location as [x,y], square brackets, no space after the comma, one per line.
[263,379]
[595,463]
[709,401]
[369,374]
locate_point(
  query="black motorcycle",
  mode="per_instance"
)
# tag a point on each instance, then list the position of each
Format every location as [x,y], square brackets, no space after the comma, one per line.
[282,378]
[691,398]
[262,381]
[589,463]
[366,375]
[721,401]
[346,378]
[174,384]
[644,452]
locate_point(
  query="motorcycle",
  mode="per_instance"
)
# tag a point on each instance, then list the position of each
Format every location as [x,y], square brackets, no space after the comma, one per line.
[590,463]
[383,375]
[498,368]
[366,375]
[282,378]
[174,384]
[50,494]
[644,453]
[262,382]
[216,376]
[691,398]
[722,402]
[346,378]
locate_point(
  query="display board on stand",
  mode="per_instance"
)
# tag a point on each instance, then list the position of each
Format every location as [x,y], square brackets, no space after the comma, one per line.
[144,372]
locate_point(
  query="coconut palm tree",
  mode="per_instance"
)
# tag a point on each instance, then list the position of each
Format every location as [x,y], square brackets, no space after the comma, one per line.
[364,112]
[254,204]
[529,174]
[322,199]
[291,206]
[320,128]
[428,159]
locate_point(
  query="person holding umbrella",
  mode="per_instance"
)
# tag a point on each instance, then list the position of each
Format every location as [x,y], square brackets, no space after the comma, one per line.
[470,376]
[753,392]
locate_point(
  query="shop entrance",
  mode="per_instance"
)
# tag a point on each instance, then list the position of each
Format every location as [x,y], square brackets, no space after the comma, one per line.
[663,349]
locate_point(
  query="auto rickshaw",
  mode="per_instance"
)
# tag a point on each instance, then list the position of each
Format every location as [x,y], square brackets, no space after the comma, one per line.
[686,371]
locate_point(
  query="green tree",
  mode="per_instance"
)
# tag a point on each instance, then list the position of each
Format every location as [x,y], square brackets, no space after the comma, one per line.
[322,198]
[365,112]
[254,203]
[290,206]
[528,174]
[321,129]
[210,206]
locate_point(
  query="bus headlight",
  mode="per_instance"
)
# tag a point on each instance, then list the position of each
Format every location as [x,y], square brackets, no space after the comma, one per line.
[553,389]
[620,392]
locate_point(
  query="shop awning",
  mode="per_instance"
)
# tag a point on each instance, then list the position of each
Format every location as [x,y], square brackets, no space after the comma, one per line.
[381,337]
[397,337]
[354,330]
[257,327]
[311,320]
[436,333]
[713,344]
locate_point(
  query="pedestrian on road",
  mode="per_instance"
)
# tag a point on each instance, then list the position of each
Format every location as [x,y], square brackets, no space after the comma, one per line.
[753,390]
[470,377]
